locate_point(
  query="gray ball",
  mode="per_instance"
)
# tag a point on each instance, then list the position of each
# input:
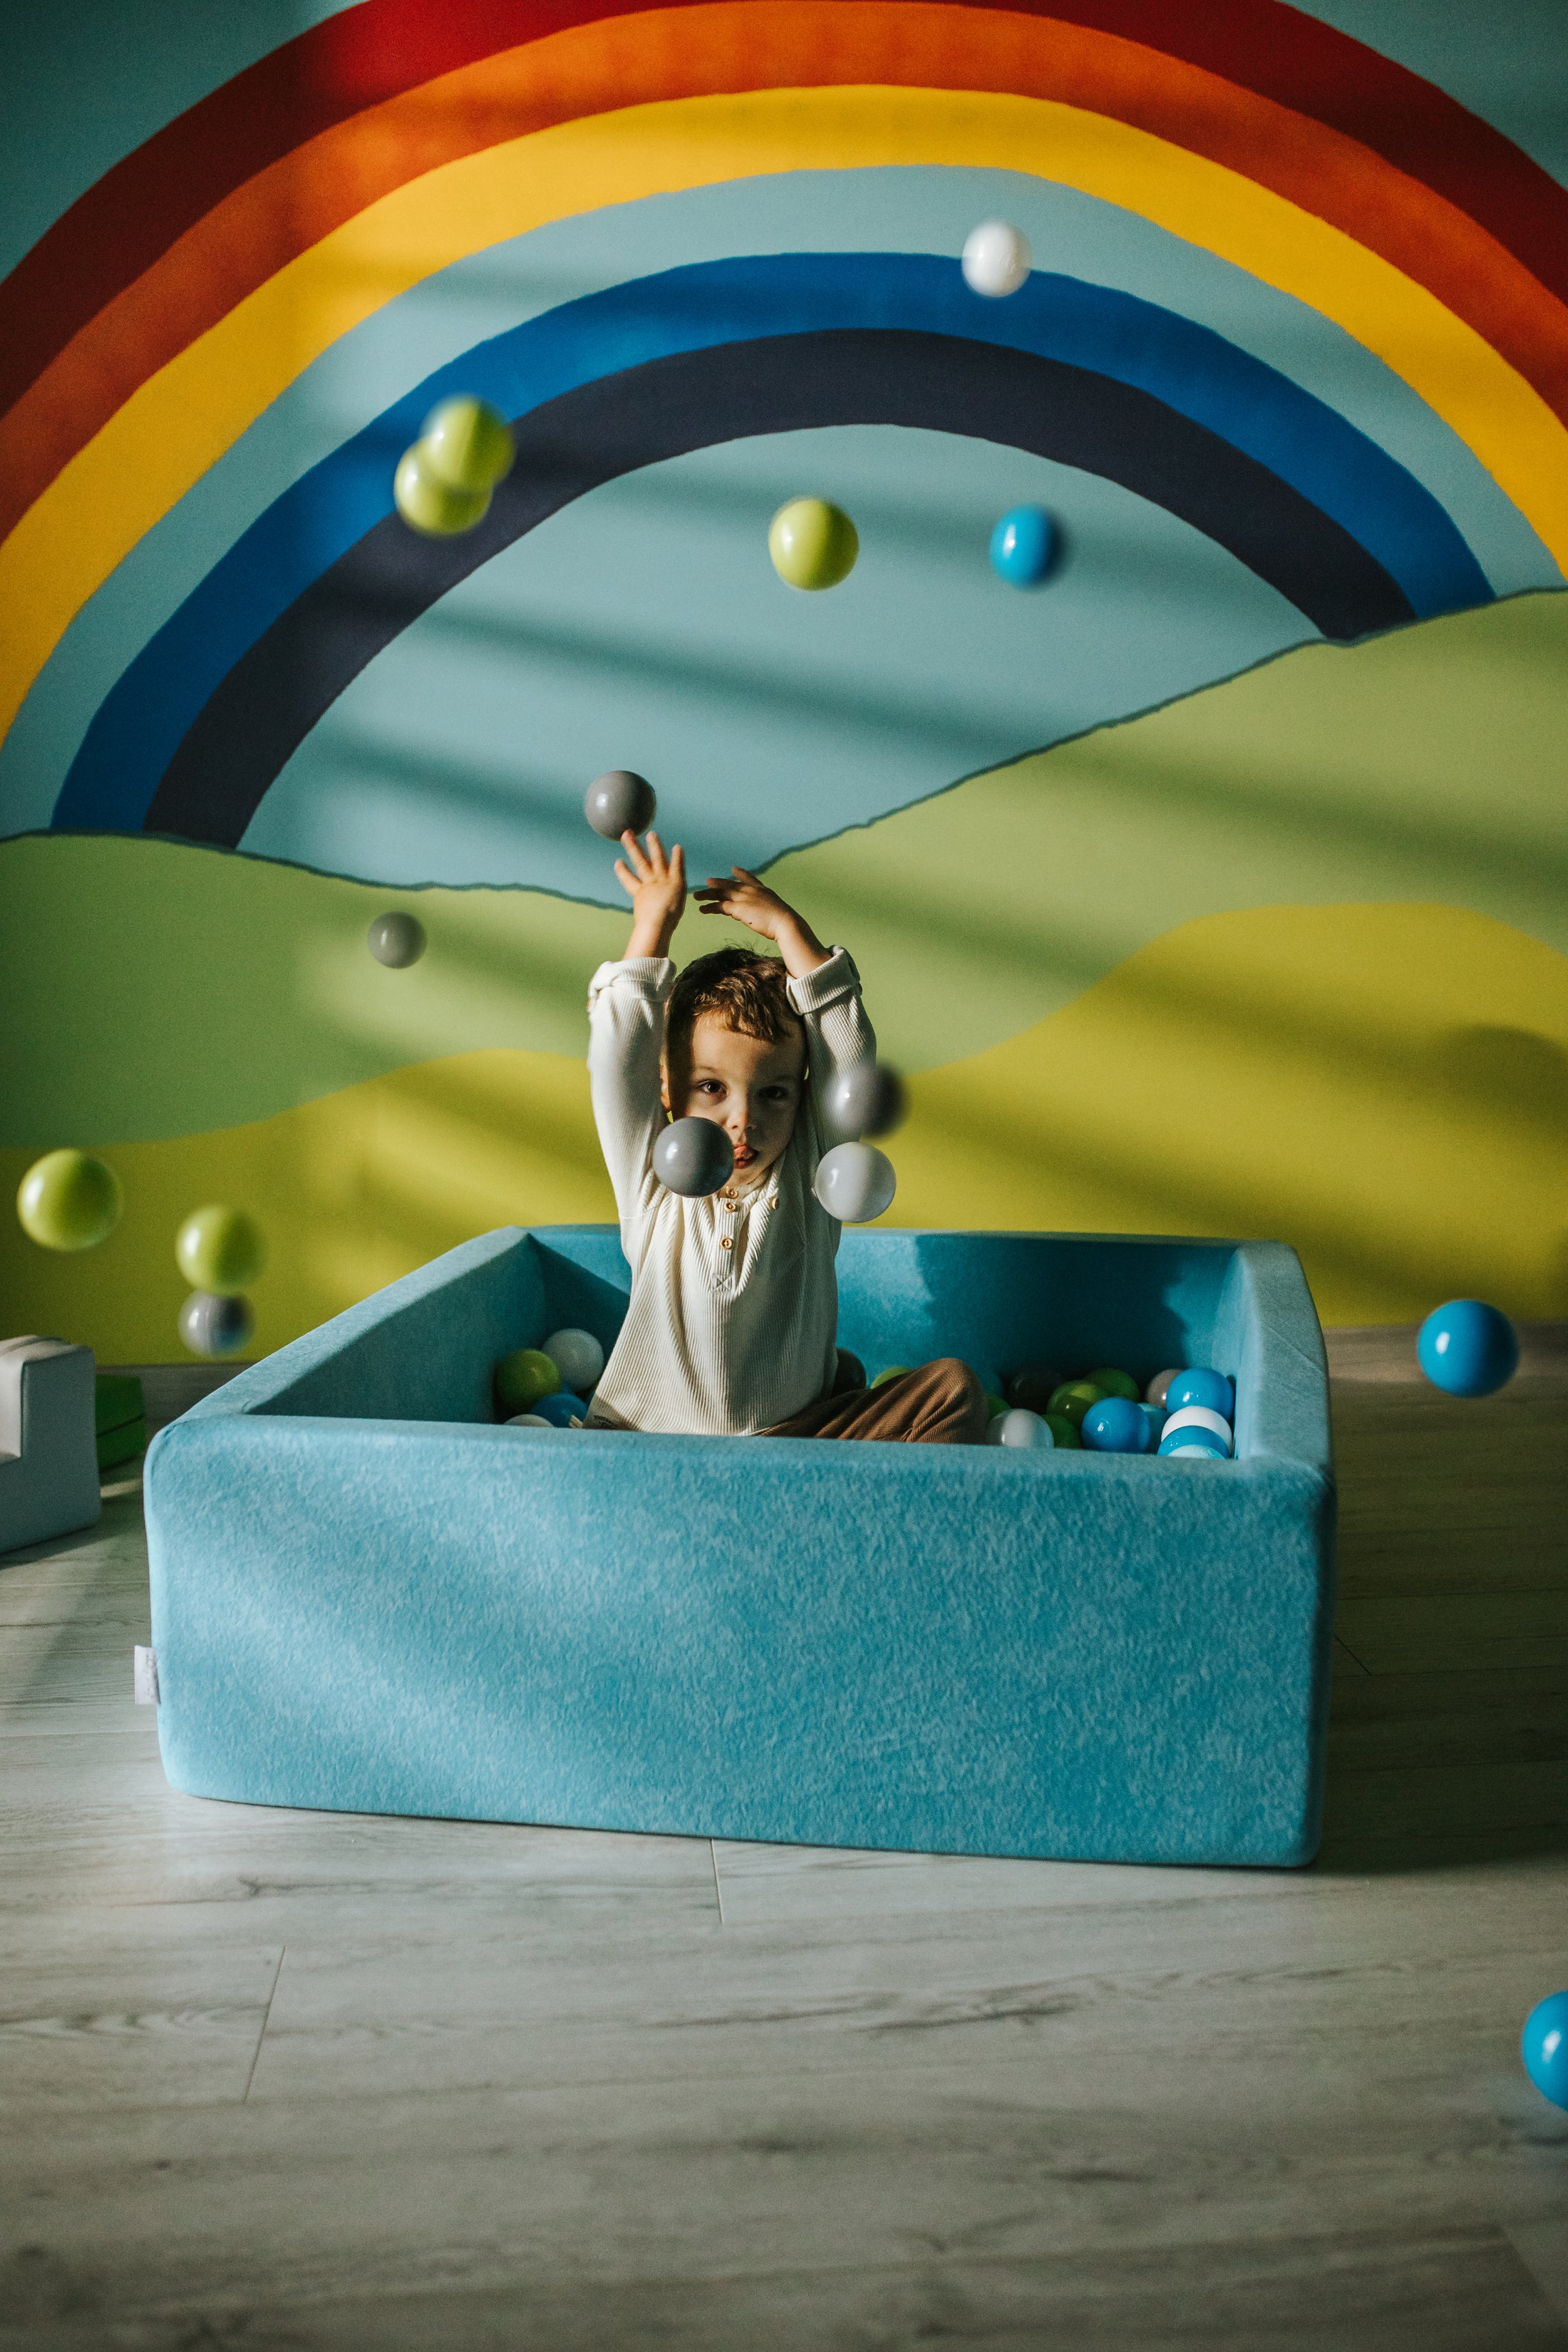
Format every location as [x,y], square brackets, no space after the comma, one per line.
[619,802]
[855,1182]
[694,1157]
[211,1326]
[396,940]
[867,1098]
[577,1356]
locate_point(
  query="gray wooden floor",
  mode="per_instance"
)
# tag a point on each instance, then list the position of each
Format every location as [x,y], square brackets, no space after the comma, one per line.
[304,2080]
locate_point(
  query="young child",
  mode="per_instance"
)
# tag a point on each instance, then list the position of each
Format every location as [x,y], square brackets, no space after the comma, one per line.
[731,1328]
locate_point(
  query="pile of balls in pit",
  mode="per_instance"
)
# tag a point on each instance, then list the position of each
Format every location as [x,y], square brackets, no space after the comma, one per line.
[1184,1411]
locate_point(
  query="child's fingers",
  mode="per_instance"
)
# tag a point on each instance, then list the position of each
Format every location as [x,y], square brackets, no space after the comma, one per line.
[635,858]
[678,867]
[626,877]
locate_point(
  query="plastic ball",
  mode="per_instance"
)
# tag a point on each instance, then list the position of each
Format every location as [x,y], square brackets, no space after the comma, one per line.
[620,801]
[1022,546]
[1468,1348]
[812,543]
[848,1373]
[1114,1383]
[560,1409]
[215,1324]
[855,1182]
[578,1357]
[219,1249]
[528,1421]
[1074,1399]
[69,1201]
[1016,1427]
[867,1098]
[693,1157]
[1063,1432]
[1544,2046]
[996,259]
[995,1404]
[1115,1425]
[1201,1417]
[892,1372]
[426,503]
[1154,1393]
[468,445]
[1154,1417]
[1200,1385]
[396,940]
[524,1376]
[1033,1387]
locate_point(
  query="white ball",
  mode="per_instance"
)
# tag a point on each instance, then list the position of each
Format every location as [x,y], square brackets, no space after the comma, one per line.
[855,1182]
[528,1421]
[1018,1427]
[577,1356]
[996,258]
[1198,1416]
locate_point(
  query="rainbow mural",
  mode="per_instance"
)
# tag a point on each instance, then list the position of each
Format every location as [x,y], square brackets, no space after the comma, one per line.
[1292,373]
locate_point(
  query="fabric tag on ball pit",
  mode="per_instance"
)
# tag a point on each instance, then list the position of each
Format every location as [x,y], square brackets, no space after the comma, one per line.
[144,1676]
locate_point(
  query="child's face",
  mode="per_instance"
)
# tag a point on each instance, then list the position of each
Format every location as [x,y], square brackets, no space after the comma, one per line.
[750,1088]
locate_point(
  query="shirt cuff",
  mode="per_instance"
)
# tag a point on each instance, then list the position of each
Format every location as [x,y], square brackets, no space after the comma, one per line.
[834,979]
[647,976]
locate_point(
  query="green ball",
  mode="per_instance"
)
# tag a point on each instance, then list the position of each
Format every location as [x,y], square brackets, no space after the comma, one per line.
[813,544]
[468,445]
[1063,1429]
[893,1372]
[1110,1383]
[220,1250]
[426,503]
[525,1376]
[69,1201]
[995,1404]
[1074,1399]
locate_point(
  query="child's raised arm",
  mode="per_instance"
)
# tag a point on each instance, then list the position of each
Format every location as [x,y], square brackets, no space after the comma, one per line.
[625,1016]
[825,986]
[746,900]
[656,886]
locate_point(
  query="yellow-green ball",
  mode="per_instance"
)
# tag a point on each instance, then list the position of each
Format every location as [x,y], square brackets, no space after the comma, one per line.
[220,1250]
[69,1201]
[468,445]
[525,1376]
[426,503]
[812,543]
[1074,1399]
[1111,1382]
[893,1372]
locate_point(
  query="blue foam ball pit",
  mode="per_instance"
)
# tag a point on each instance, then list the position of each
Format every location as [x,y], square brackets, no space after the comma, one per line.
[561,1409]
[1201,1384]
[1022,546]
[1468,1348]
[1543,2046]
[1115,1425]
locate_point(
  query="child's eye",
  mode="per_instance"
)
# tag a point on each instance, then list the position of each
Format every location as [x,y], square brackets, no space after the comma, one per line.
[708,1087]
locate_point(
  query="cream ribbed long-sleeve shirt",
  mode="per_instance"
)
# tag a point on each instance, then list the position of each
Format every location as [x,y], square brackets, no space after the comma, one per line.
[734,1306]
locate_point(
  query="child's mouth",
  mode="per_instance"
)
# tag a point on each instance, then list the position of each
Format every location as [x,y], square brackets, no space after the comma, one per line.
[745,1156]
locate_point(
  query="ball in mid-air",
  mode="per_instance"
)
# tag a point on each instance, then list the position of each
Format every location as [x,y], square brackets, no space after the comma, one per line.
[996,259]
[812,543]
[867,1099]
[69,1201]
[220,1250]
[620,801]
[467,444]
[1468,1348]
[1544,2046]
[578,1357]
[1115,1425]
[693,1157]
[855,1182]
[1022,546]
[1019,1427]
[428,505]
[396,940]
[215,1324]
[524,1376]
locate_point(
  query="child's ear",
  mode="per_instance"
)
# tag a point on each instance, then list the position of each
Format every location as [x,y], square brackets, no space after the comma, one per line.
[664,1084]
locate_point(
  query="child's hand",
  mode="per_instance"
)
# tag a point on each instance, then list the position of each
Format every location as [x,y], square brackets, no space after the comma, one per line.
[657,888]
[746,900]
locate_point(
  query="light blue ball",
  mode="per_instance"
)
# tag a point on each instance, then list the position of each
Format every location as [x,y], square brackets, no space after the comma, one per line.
[1194,1439]
[1022,546]
[1544,2046]
[1468,1348]
[561,1409]
[1202,1385]
[1115,1425]
[1154,1414]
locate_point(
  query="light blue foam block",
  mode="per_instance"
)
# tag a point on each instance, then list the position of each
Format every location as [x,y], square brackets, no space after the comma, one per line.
[368,1597]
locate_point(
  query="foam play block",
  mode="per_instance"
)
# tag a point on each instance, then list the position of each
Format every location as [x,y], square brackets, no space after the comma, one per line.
[367,1595]
[48,1464]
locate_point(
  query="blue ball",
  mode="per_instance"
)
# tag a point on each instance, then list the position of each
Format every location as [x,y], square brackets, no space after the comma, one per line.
[1022,545]
[1200,1385]
[1194,1439]
[1154,1414]
[1544,2046]
[1468,1348]
[561,1409]
[1115,1425]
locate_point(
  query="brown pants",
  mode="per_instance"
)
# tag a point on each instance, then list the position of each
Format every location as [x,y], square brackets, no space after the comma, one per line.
[938,1404]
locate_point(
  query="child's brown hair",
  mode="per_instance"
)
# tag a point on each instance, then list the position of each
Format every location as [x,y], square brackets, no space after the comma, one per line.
[748,992]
